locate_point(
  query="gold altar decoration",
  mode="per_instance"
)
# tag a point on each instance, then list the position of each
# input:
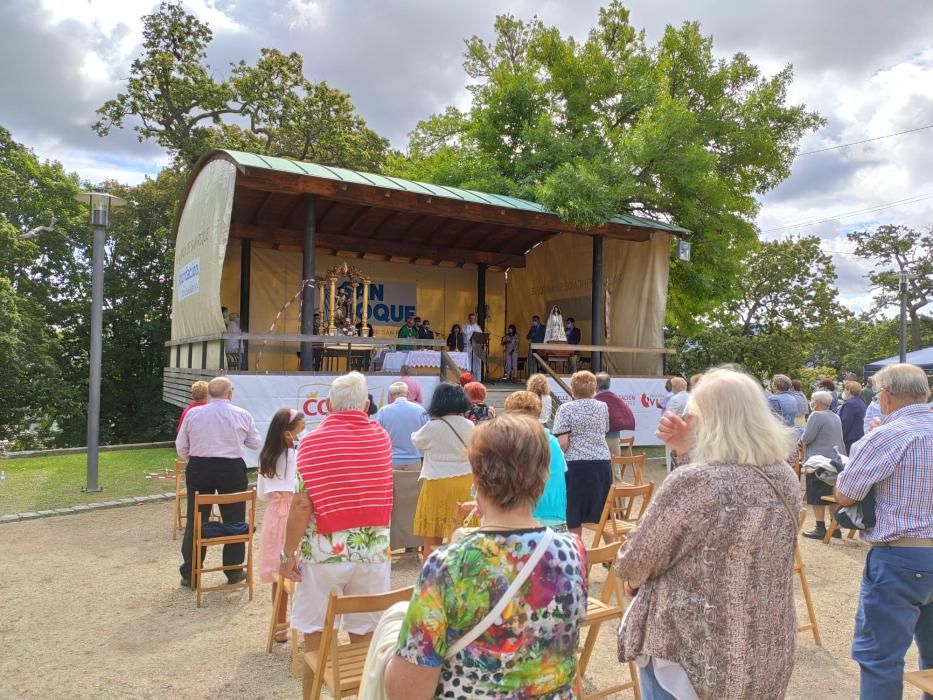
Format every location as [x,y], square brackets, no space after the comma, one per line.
[342,307]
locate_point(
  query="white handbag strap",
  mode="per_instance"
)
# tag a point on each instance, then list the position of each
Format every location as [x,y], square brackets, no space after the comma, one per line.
[510,593]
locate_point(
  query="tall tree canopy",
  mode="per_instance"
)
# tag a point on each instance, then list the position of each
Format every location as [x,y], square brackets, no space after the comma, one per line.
[592,128]
[778,319]
[895,250]
[270,107]
[43,279]
[45,291]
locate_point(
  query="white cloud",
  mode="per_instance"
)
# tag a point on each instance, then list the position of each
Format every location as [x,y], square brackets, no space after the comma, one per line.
[868,69]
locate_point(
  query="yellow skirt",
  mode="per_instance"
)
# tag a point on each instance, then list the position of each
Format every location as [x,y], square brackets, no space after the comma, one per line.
[436,512]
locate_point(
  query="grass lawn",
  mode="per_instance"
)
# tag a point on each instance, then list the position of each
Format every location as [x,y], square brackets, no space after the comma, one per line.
[42,483]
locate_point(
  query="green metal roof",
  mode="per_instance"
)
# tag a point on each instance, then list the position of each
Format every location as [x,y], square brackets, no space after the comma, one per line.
[327,172]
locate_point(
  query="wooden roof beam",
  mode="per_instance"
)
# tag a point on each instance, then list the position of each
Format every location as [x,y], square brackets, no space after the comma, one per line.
[368,245]
[367,195]
[262,203]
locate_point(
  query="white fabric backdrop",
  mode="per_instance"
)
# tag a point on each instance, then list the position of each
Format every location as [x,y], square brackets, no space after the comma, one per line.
[263,395]
[641,395]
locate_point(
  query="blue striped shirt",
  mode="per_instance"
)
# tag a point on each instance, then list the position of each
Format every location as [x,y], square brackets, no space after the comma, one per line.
[897,459]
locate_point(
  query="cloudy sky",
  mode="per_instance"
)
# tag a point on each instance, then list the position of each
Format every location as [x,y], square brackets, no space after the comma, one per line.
[866,66]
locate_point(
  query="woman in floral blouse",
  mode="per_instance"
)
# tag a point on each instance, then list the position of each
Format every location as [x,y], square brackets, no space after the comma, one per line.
[530,649]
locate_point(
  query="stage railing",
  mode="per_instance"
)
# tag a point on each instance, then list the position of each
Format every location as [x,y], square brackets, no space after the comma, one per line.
[449,367]
[213,352]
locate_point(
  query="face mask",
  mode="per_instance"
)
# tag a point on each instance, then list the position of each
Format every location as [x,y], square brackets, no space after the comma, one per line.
[534,323]
[569,326]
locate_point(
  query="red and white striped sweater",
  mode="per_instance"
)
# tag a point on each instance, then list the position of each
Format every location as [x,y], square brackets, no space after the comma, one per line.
[346,466]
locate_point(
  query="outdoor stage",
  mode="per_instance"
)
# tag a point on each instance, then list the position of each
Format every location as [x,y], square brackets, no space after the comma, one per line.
[275,241]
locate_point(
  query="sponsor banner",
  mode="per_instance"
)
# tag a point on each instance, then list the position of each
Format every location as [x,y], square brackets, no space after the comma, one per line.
[189,279]
[263,395]
[643,396]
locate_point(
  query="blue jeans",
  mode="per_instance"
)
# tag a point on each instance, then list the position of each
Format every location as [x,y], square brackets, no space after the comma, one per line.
[895,606]
[650,688]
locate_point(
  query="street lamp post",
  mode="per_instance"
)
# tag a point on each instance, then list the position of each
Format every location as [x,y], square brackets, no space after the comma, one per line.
[100,203]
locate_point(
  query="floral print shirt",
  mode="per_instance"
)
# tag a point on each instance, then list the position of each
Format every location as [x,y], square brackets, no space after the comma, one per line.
[359,545]
[532,653]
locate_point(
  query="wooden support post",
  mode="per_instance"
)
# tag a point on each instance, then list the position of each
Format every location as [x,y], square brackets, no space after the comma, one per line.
[306,362]
[481,295]
[596,333]
[246,259]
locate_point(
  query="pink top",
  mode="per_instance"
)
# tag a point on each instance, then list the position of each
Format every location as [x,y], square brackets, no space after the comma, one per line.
[414,390]
[219,429]
[184,413]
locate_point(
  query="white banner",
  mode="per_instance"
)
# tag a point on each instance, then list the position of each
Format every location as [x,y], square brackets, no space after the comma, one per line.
[189,279]
[263,395]
[200,248]
[643,396]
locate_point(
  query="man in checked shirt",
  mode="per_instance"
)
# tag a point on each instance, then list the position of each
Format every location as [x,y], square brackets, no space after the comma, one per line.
[896,598]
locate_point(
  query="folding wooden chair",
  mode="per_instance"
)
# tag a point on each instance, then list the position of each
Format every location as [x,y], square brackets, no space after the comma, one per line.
[921,679]
[627,443]
[181,495]
[636,462]
[180,516]
[600,610]
[283,589]
[801,572]
[340,666]
[619,508]
[832,504]
[199,541]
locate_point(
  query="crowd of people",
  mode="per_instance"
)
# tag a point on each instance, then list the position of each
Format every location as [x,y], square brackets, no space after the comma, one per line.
[498,612]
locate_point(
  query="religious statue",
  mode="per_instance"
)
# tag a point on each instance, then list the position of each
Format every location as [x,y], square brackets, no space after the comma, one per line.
[554,333]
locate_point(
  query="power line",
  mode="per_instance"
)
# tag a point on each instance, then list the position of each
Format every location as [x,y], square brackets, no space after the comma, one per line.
[856,143]
[854,212]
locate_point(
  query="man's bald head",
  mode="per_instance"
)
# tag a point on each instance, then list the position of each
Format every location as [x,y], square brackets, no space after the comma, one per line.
[220,388]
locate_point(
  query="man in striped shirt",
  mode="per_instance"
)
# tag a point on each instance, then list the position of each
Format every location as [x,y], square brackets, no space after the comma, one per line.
[337,537]
[896,599]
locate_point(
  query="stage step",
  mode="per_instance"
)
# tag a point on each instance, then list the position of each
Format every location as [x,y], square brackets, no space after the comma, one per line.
[497,393]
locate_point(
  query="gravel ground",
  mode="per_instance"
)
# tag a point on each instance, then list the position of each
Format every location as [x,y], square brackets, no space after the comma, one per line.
[90,607]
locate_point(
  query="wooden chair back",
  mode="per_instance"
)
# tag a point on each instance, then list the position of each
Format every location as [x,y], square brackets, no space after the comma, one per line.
[601,610]
[627,443]
[636,462]
[605,554]
[202,500]
[619,511]
[179,517]
[329,650]
[284,593]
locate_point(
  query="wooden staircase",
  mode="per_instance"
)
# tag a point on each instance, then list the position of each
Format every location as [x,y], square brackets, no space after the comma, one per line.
[496,393]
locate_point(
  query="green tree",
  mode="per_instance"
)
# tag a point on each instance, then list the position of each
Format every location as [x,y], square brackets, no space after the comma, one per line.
[43,287]
[775,321]
[592,128]
[176,99]
[137,320]
[908,251]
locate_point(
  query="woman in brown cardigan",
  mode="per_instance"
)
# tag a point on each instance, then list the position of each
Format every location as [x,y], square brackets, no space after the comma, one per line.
[710,564]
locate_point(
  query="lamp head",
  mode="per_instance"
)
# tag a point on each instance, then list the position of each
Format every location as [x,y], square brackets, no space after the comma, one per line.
[100,202]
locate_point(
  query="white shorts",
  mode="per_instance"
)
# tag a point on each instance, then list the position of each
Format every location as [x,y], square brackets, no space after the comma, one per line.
[309,608]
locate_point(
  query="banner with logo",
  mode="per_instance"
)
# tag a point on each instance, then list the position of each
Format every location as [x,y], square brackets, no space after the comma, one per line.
[200,249]
[263,395]
[643,396]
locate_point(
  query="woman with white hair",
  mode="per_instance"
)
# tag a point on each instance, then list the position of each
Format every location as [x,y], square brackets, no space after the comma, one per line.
[710,564]
[822,434]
